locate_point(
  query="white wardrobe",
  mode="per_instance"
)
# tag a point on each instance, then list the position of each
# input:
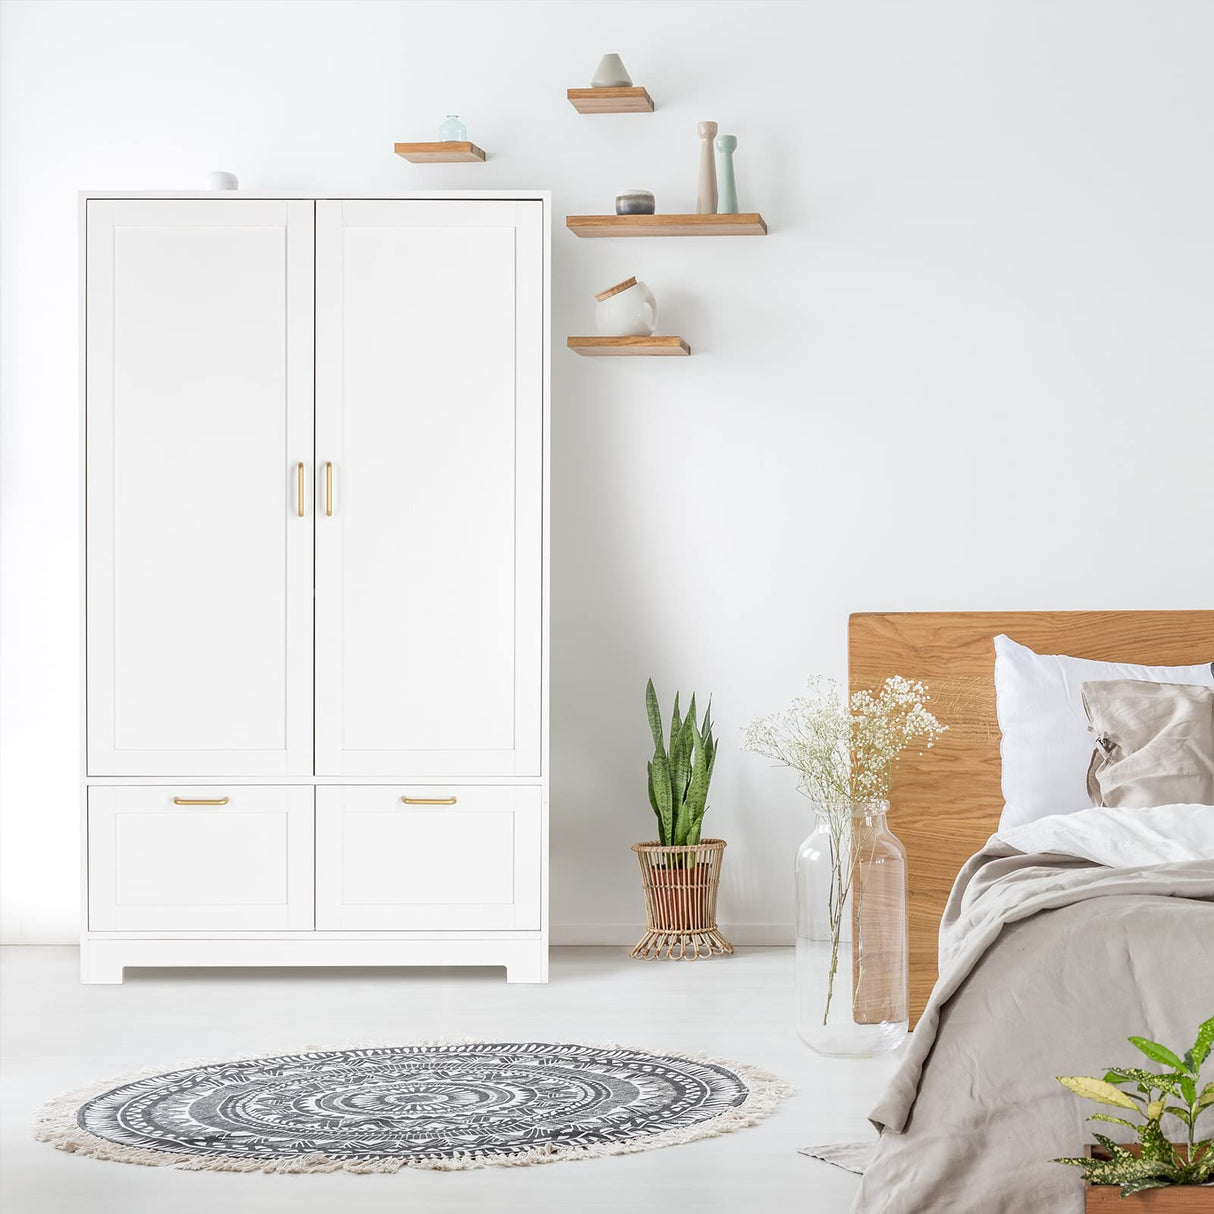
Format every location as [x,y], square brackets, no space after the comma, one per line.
[316,581]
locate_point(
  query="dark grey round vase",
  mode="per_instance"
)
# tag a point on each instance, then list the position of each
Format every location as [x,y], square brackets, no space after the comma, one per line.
[634,202]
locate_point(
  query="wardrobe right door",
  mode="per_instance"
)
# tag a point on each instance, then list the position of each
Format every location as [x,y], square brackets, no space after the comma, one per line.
[429,450]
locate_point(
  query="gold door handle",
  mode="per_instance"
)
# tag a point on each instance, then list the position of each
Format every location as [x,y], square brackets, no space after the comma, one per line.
[299,491]
[200,800]
[428,800]
[328,490]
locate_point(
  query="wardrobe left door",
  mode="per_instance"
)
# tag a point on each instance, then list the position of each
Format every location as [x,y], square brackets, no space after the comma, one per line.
[198,397]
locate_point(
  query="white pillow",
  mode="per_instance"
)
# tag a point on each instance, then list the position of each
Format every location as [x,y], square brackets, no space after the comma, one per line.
[1046,745]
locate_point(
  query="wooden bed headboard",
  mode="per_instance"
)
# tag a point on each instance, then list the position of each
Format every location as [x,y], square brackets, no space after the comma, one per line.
[947,803]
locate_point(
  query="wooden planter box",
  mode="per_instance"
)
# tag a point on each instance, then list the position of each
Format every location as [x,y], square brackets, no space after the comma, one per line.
[1178,1199]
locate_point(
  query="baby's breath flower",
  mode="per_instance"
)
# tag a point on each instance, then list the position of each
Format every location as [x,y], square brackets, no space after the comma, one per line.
[846,752]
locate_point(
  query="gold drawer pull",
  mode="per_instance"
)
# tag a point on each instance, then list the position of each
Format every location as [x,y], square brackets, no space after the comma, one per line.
[428,800]
[200,800]
[328,490]
[299,491]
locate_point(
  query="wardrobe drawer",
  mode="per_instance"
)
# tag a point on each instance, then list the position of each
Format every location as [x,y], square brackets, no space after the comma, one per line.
[410,858]
[180,858]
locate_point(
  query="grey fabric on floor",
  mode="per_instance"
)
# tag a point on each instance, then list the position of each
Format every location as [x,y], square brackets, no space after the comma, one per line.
[850,1156]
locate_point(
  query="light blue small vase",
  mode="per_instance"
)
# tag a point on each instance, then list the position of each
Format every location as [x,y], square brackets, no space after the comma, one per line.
[451,130]
[727,190]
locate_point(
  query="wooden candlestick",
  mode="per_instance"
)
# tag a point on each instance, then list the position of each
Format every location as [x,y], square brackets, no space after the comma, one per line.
[706,195]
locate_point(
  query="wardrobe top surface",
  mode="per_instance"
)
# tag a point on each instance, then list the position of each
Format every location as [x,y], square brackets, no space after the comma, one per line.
[323,195]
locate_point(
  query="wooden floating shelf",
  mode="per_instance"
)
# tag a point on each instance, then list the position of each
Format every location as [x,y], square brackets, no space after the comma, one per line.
[634,100]
[749,224]
[652,347]
[440,153]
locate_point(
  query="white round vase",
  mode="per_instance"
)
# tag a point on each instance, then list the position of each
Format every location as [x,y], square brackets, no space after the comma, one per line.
[626,310]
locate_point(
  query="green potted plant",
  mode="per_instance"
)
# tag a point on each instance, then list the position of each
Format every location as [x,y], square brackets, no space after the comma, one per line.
[680,870]
[1117,1171]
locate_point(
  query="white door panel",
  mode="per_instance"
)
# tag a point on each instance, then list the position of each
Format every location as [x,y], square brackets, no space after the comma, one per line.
[158,865]
[469,860]
[199,395]
[430,409]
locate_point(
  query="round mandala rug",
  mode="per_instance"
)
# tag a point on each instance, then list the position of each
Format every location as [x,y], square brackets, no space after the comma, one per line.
[433,1106]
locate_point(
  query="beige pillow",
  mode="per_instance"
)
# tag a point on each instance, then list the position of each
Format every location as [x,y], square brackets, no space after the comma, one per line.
[1154,743]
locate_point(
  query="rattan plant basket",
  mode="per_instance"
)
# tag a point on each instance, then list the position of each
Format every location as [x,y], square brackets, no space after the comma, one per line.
[681,901]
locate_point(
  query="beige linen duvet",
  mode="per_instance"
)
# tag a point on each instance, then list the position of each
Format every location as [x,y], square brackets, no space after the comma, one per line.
[1061,939]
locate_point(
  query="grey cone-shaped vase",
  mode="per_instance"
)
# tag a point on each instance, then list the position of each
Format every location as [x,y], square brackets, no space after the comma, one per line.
[610,73]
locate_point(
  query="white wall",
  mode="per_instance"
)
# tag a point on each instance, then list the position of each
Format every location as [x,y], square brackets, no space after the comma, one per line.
[970,368]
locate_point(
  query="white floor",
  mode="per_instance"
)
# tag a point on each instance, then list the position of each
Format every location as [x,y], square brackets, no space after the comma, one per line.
[58,1035]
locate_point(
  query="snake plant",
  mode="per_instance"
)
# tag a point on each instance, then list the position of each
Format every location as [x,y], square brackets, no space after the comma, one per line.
[1156,1163]
[679,772]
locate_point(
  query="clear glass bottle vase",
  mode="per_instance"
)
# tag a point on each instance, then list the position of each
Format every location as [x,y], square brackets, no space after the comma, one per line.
[852,992]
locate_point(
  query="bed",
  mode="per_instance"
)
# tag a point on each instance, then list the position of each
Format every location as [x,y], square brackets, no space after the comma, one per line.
[1057,940]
